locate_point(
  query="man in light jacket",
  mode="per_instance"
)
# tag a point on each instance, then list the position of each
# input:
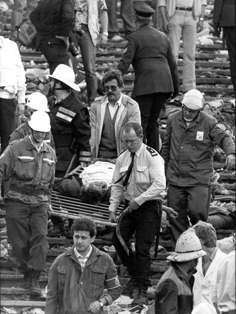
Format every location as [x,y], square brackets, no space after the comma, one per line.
[108,115]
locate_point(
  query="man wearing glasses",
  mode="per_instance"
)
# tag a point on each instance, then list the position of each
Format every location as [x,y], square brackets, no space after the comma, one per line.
[188,153]
[108,115]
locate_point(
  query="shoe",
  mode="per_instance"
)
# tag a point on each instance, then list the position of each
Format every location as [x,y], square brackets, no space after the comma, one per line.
[35,287]
[117,38]
[129,288]
[141,297]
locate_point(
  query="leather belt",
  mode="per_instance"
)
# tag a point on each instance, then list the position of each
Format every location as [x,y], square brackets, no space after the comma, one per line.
[183,9]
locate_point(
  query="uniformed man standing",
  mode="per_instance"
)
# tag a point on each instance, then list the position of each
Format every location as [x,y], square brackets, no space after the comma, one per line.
[69,120]
[139,178]
[27,169]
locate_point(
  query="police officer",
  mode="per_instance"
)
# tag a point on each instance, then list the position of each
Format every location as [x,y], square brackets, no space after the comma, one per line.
[28,168]
[139,178]
[69,120]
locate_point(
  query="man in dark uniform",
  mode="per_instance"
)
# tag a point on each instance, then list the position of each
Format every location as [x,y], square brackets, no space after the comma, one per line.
[139,178]
[27,166]
[155,70]
[69,120]
[224,17]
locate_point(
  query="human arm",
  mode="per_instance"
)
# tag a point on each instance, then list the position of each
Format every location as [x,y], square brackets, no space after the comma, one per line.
[103,20]
[165,151]
[164,15]
[173,69]
[67,18]
[20,76]
[134,112]
[128,56]
[52,298]
[116,190]
[201,18]
[6,167]
[166,298]
[93,123]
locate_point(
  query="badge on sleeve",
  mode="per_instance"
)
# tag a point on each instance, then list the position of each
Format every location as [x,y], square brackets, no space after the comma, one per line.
[200,135]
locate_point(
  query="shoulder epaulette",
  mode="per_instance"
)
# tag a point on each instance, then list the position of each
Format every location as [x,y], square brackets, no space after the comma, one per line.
[152,151]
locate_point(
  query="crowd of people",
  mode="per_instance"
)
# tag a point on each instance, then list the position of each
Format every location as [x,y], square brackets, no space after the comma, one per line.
[60,132]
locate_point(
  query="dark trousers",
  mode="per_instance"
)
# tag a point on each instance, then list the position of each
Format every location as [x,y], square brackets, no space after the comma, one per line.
[128,16]
[190,203]
[7,120]
[88,53]
[150,107]
[112,18]
[27,233]
[230,38]
[55,51]
[144,224]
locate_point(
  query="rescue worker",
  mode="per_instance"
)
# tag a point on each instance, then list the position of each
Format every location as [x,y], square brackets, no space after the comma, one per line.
[28,167]
[35,102]
[78,277]
[188,153]
[69,120]
[174,289]
[139,178]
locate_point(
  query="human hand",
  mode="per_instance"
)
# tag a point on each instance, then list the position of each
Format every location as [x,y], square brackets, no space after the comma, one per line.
[200,24]
[132,206]
[94,307]
[104,36]
[170,211]
[230,162]
[112,217]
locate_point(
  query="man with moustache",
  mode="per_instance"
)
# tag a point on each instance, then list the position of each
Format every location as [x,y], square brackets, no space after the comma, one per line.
[27,166]
[78,277]
[108,116]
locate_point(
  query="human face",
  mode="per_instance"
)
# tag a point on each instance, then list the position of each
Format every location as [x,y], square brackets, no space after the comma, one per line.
[38,137]
[191,267]
[132,141]
[112,90]
[188,114]
[28,111]
[82,241]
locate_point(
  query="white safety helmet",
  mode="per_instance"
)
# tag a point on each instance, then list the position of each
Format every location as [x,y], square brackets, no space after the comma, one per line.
[66,75]
[188,247]
[37,101]
[204,308]
[40,121]
[193,99]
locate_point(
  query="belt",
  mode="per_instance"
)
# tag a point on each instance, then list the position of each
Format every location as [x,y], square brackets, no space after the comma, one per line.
[183,9]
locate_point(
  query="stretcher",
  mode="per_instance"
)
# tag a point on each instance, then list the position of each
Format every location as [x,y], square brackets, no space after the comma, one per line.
[72,208]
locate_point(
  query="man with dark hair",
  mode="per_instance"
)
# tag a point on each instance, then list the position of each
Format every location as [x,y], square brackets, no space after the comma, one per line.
[28,167]
[108,116]
[149,52]
[78,277]
[205,283]
[139,178]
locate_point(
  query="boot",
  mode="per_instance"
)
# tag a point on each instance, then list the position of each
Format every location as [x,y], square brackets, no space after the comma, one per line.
[35,287]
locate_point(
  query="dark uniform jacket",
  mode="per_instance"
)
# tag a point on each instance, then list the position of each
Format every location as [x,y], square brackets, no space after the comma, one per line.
[70,129]
[53,17]
[71,290]
[29,173]
[224,13]
[174,293]
[154,65]
[188,151]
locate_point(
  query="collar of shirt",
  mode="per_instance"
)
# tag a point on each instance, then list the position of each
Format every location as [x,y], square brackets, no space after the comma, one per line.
[37,147]
[139,151]
[83,259]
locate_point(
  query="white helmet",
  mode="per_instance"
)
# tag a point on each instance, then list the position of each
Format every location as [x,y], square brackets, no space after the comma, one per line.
[193,99]
[37,101]
[66,75]
[40,121]
[188,247]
